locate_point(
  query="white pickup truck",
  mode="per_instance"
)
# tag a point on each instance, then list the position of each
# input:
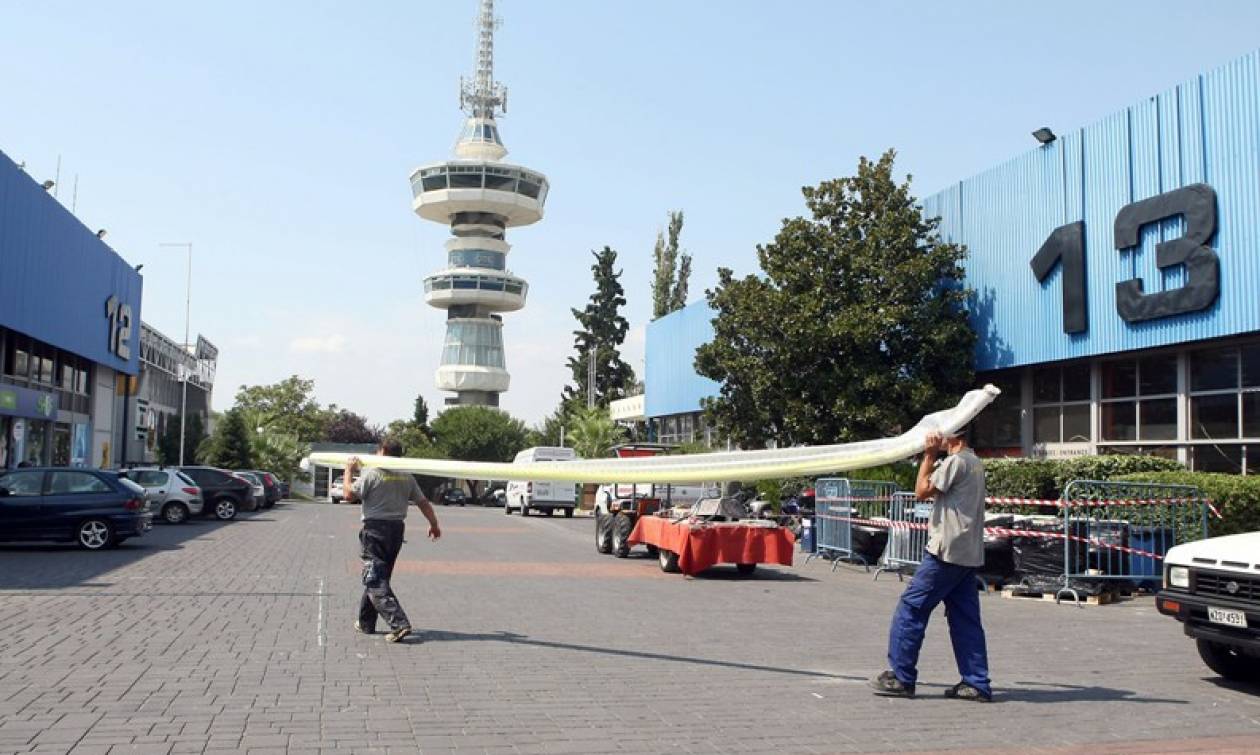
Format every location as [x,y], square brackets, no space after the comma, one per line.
[1213,588]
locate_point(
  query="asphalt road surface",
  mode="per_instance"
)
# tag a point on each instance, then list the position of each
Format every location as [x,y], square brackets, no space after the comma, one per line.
[212,637]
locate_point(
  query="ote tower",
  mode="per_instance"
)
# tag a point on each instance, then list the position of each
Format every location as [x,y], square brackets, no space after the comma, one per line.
[479,197]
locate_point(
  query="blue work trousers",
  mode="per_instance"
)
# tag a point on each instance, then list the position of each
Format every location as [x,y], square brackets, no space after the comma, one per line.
[934,582]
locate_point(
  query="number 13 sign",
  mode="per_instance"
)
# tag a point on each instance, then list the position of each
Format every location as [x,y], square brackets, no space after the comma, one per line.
[1066,246]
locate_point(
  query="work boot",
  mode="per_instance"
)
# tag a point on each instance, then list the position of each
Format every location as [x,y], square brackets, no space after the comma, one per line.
[398,634]
[888,685]
[964,691]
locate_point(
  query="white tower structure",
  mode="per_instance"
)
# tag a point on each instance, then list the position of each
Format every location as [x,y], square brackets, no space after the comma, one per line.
[479,197]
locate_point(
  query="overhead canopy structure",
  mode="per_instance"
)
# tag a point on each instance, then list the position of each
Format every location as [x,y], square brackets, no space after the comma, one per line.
[726,465]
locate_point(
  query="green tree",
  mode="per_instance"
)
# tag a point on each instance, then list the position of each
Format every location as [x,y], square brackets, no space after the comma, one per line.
[230,447]
[420,415]
[416,441]
[168,442]
[593,433]
[348,427]
[603,328]
[550,431]
[478,433]
[858,327]
[671,271]
[288,407]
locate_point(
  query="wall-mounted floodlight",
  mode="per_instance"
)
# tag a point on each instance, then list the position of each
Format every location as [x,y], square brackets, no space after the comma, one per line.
[1044,135]
[100,234]
[48,184]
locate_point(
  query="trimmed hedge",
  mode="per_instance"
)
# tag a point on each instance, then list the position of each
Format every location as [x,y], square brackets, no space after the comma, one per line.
[1235,496]
[1046,478]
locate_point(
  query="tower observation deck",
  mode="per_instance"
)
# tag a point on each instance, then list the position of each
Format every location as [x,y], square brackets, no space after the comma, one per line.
[479,197]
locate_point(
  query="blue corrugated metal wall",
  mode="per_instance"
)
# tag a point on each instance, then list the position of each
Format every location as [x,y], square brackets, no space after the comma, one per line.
[671,383]
[55,274]
[1206,130]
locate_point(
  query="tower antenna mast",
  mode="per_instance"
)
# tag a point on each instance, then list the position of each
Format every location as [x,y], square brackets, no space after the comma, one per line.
[483,97]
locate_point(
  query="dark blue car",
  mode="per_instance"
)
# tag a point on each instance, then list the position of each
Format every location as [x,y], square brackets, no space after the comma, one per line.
[70,504]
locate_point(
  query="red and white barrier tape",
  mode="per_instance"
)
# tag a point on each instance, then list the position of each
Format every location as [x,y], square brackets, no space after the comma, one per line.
[1000,532]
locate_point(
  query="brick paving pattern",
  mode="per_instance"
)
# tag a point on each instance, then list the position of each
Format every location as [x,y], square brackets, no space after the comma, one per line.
[237,637]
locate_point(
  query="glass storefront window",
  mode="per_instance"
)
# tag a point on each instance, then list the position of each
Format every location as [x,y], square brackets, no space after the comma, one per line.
[1046,385]
[998,426]
[1159,419]
[1214,369]
[1158,375]
[1076,423]
[1076,382]
[1251,415]
[1119,420]
[1119,379]
[1217,458]
[1214,416]
[1046,424]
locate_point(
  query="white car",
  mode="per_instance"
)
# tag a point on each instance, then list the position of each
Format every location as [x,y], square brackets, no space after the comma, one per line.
[171,494]
[336,489]
[1213,588]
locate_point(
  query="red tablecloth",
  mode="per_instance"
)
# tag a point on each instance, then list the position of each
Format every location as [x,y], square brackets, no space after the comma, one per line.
[701,546]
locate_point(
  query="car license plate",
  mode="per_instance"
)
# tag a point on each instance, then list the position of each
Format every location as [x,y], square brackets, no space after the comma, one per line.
[1227,617]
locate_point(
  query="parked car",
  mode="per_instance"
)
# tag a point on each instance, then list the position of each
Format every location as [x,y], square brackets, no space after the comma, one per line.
[95,509]
[453,497]
[284,487]
[336,489]
[271,487]
[172,495]
[223,492]
[258,488]
[493,497]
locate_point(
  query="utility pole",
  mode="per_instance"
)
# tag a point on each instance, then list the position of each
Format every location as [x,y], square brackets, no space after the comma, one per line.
[183,371]
[590,375]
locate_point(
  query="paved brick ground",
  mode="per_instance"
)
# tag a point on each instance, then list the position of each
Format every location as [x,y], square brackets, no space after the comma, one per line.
[237,637]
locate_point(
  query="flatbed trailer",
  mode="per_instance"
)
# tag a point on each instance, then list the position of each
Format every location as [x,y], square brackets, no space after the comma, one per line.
[690,547]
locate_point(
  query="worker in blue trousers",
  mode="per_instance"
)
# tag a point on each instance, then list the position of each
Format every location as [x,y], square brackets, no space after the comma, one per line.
[955,549]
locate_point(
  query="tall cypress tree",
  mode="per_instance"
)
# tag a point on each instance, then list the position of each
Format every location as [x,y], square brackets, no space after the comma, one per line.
[603,328]
[671,269]
[229,447]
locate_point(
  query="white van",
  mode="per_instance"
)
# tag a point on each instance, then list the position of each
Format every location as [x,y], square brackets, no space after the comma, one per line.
[542,496]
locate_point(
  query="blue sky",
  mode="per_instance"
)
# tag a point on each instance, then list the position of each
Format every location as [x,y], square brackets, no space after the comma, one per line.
[278,138]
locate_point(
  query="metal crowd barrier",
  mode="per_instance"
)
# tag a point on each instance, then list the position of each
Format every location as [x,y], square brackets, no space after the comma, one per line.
[838,502]
[1118,532]
[907,534]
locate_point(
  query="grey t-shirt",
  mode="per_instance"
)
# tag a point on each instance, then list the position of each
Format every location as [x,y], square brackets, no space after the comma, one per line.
[956,527]
[386,494]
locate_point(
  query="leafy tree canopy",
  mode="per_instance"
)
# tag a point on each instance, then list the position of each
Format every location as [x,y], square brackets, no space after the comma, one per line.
[593,433]
[856,329]
[671,270]
[288,407]
[604,329]
[348,427]
[229,447]
[478,433]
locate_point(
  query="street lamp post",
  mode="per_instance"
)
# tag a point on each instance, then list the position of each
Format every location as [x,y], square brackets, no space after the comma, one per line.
[183,399]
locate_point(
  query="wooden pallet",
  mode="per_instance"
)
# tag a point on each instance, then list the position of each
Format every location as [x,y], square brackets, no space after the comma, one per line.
[1101,599]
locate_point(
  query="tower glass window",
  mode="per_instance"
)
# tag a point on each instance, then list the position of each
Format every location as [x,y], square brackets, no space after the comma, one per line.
[478,258]
[473,342]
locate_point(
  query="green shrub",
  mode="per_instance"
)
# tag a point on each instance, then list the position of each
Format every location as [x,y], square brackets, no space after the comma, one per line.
[1235,496]
[902,474]
[1046,478]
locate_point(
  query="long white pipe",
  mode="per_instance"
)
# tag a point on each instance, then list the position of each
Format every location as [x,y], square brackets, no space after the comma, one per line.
[722,465]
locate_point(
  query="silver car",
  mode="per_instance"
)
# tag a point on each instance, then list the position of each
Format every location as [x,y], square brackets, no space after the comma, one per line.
[172,495]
